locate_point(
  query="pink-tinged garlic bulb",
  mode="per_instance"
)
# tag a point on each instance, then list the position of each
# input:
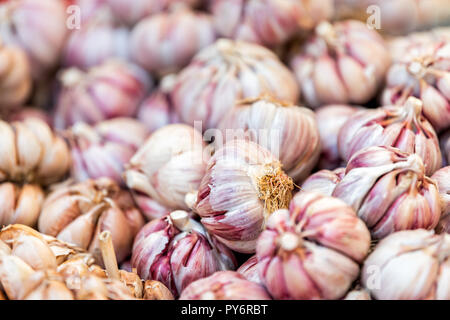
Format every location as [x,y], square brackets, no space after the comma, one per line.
[242,186]
[361,294]
[409,265]
[150,208]
[224,73]
[79,213]
[29,112]
[224,285]
[423,72]
[249,270]
[276,126]
[20,204]
[166,42]
[177,250]
[31,152]
[442,178]
[170,164]
[268,22]
[15,77]
[36,26]
[330,120]
[313,250]
[389,190]
[112,89]
[104,149]
[403,127]
[323,181]
[340,64]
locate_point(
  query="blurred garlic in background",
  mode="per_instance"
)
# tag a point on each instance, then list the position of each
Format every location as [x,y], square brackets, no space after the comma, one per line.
[442,178]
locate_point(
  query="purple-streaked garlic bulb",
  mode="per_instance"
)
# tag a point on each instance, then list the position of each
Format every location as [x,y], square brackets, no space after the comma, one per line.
[79,213]
[38,27]
[177,250]
[224,285]
[29,112]
[112,89]
[330,120]
[242,186]
[360,294]
[313,250]
[403,127]
[166,42]
[170,164]
[409,265]
[268,22]
[323,181]
[276,126]
[389,190]
[340,64]
[423,72]
[15,77]
[104,149]
[225,72]
[249,270]
[31,152]
[442,178]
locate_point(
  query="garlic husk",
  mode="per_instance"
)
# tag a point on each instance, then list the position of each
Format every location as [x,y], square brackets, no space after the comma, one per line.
[401,126]
[358,295]
[31,152]
[225,72]
[242,186]
[442,178]
[323,181]
[249,269]
[427,257]
[112,89]
[177,250]
[155,290]
[168,165]
[276,126]
[312,250]
[21,114]
[268,22]
[341,63]
[389,190]
[224,285]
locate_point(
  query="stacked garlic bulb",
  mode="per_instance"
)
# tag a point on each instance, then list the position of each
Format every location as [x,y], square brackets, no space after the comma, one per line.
[276,126]
[442,178]
[323,181]
[313,250]
[225,72]
[389,190]
[427,275]
[341,63]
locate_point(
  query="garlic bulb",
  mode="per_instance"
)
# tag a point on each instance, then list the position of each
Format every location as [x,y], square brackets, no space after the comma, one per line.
[330,120]
[31,152]
[427,257]
[224,285]
[323,181]
[268,22]
[168,165]
[36,26]
[403,127]
[312,250]
[104,149]
[442,178]
[341,63]
[15,77]
[225,72]
[166,42]
[177,250]
[78,213]
[242,186]
[249,270]
[389,191]
[112,89]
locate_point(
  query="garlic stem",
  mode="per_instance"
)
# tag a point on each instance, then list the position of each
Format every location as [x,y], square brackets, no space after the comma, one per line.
[289,241]
[108,255]
[180,219]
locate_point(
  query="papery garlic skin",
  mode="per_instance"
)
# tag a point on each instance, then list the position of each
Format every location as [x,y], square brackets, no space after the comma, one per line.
[401,126]
[166,42]
[267,22]
[224,285]
[31,152]
[442,178]
[113,89]
[249,270]
[177,250]
[323,181]
[312,250]
[276,126]
[168,165]
[242,186]
[427,257]
[225,72]
[340,64]
[389,190]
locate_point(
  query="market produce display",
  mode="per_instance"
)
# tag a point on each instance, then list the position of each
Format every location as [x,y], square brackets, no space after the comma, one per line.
[224,150]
